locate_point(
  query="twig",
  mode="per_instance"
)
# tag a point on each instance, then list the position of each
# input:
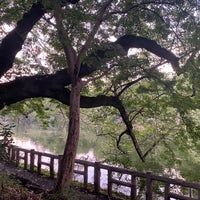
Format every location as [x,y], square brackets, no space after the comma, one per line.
[125,11]
[130,84]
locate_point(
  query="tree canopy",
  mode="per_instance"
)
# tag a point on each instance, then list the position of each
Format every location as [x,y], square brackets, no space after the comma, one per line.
[122,51]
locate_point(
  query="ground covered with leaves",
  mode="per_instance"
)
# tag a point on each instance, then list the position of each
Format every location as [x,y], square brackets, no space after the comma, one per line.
[13,188]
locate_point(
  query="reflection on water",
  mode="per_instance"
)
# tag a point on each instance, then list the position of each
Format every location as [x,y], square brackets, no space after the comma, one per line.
[54,142]
[29,144]
[87,156]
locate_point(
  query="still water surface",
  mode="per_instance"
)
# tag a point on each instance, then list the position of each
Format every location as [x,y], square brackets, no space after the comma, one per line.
[29,144]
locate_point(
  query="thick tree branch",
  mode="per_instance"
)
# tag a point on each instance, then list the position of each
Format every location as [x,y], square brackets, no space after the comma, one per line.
[49,86]
[61,79]
[54,87]
[132,41]
[13,42]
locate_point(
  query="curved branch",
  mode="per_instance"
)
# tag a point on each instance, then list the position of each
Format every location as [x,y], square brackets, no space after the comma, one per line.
[119,140]
[132,41]
[13,42]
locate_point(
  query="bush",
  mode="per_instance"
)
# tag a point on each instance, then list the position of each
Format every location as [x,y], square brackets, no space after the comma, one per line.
[5,139]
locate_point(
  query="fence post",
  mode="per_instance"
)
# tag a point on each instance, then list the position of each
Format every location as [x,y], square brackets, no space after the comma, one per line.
[85,176]
[190,192]
[133,187]
[110,183]
[13,154]
[39,163]
[52,167]
[148,186]
[25,160]
[59,164]
[167,190]
[32,158]
[17,157]
[9,152]
[97,175]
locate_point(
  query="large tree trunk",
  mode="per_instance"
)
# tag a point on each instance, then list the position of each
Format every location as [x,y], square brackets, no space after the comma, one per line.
[65,174]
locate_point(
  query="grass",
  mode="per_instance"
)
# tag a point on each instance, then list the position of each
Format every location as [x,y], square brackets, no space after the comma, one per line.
[12,189]
[44,172]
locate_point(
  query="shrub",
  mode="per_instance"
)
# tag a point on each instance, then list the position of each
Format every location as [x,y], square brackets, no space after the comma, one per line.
[5,139]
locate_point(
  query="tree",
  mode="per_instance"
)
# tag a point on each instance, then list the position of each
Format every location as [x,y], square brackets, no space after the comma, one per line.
[78,57]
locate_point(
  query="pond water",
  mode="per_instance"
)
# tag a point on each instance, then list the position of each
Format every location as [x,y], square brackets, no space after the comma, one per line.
[89,156]
[30,144]
[54,141]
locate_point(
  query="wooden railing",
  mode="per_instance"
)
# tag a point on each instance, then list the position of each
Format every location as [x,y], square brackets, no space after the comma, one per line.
[34,161]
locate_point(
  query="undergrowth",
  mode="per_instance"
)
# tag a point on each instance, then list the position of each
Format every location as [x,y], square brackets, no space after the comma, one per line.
[12,189]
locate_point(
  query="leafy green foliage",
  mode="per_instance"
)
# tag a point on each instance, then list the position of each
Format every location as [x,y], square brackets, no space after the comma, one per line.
[5,139]
[165,125]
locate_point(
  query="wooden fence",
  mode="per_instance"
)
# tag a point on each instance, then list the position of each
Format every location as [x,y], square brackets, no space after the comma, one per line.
[34,162]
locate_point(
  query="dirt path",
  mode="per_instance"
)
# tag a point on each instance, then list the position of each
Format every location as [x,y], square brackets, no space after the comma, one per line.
[43,183]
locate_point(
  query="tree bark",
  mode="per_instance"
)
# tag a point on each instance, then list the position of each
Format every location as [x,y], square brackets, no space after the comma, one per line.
[67,163]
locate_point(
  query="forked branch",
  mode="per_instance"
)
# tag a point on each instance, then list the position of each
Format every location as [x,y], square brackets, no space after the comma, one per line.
[129,130]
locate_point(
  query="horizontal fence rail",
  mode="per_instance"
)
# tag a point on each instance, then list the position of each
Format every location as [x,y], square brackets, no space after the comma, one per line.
[36,161]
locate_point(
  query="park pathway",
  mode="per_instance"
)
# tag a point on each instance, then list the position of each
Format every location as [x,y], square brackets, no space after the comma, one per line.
[42,183]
